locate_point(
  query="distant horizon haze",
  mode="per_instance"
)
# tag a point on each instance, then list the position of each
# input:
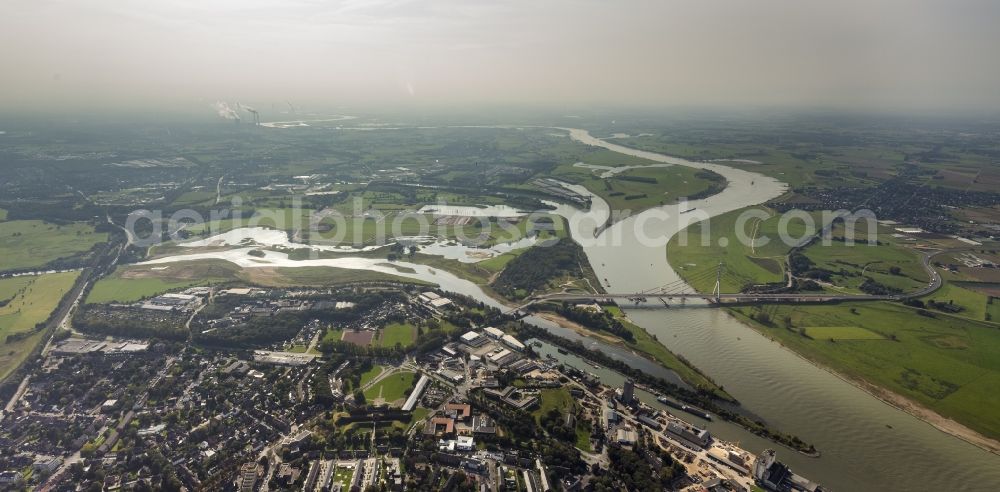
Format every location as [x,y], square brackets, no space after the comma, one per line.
[889,55]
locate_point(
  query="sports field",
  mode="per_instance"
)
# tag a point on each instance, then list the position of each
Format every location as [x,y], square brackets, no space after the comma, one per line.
[401,333]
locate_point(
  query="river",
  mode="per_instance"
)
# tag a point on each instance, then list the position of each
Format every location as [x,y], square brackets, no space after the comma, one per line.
[849,427]
[860,451]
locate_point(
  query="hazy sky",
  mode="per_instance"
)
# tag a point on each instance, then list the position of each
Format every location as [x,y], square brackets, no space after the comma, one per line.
[851,53]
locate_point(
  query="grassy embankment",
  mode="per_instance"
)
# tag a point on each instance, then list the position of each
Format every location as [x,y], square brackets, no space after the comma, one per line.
[33,243]
[27,302]
[649,345]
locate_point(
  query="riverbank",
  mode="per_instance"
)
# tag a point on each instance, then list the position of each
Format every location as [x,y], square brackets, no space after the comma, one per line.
[893,399]
[945,364]
[646,346]
[698,398]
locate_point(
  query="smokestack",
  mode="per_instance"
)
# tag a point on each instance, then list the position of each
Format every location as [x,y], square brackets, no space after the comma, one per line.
[253,112]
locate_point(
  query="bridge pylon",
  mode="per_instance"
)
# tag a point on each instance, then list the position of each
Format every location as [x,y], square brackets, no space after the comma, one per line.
[717,291]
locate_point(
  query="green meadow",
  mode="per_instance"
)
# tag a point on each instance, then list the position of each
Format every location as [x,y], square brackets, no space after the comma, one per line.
[402,333]
[28,301]
[392,387]
[947,363]
[33,243]
[718,240]
[842,333]
[638,189]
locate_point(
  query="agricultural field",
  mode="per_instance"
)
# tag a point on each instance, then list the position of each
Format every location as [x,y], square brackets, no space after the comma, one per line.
[34,243]
[13,286]
[795,168]
[890,262]
[199,197]
[287,219]
[947,363]
[392,387]
[27,301]
[805,152]
[499,262]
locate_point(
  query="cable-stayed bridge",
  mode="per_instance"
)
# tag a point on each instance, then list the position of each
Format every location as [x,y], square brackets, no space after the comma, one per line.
[679,291]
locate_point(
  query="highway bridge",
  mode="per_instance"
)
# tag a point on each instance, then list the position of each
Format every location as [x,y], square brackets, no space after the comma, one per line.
[678,291]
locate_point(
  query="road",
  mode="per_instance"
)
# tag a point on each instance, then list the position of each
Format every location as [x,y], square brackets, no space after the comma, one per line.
[63,315]
[716,299]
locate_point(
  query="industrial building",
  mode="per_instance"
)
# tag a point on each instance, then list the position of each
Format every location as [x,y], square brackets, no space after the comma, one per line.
[774,475]
[512,342]
[494,333]
[628,392]
[473,339]
[689,433]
